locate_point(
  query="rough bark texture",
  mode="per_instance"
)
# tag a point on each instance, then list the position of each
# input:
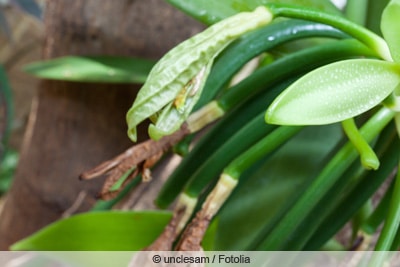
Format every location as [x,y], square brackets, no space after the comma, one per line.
[75,126]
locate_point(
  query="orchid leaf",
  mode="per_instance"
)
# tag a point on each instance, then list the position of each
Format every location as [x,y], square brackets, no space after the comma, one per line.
[93,69]
[176,69]
[390,27]
[335,92]
[173,115]
[98,231]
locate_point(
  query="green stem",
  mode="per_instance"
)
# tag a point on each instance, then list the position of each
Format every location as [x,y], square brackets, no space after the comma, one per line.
[368,157]
[246,137]
[333,245]
[252,44]
[322,184]
[260,149]
[360,217]
[292,64]
[375,9]
[353,200]
[102,205]
[367,37]
[298,62]
[392,221]
[331,208]
[396,241]
[357,10]
[397,120]
[371,225]
[233,134]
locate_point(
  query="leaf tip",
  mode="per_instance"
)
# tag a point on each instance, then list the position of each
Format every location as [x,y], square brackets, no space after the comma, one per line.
[269,116]
[132,134]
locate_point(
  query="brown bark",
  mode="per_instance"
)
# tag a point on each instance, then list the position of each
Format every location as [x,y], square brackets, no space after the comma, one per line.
[75,126]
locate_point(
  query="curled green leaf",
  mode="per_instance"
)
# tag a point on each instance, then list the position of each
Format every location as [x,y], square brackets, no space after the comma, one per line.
[180,65]
[177,112]
[335,92]
[390,27]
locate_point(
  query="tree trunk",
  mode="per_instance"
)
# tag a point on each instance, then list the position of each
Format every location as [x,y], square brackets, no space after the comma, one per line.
[75,126]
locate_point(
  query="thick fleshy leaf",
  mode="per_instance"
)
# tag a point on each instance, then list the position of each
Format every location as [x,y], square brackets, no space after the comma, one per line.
[335,93]
[211,12]
[93,69]
[390,27]
[98,231]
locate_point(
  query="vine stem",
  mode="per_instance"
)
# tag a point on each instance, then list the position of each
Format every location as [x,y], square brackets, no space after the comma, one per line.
[368,157]
[322,183]
[390,227]
[367,37]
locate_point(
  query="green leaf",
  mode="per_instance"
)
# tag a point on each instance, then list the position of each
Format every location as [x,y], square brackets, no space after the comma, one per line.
[211,12]
[172,117]
[390,28]
[176,70]
[93,69]
[98,231]
[335,92]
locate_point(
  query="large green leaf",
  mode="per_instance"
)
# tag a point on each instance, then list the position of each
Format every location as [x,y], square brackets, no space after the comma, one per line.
[335,92]
[98,231]
[390,26]
[210,12]
[93,69]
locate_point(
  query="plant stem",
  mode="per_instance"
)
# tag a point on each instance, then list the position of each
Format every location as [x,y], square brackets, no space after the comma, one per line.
[367,37]
[371,225]
[298,62]
[260,149]
[360,217]
[392,221]
[386,148]
[322,184]
[357,10]
[368,157]
[252,44]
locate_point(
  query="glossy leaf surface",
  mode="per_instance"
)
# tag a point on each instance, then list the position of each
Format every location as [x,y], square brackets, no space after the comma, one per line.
[107,231]
[335,92]
[390,27]
[93,69]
